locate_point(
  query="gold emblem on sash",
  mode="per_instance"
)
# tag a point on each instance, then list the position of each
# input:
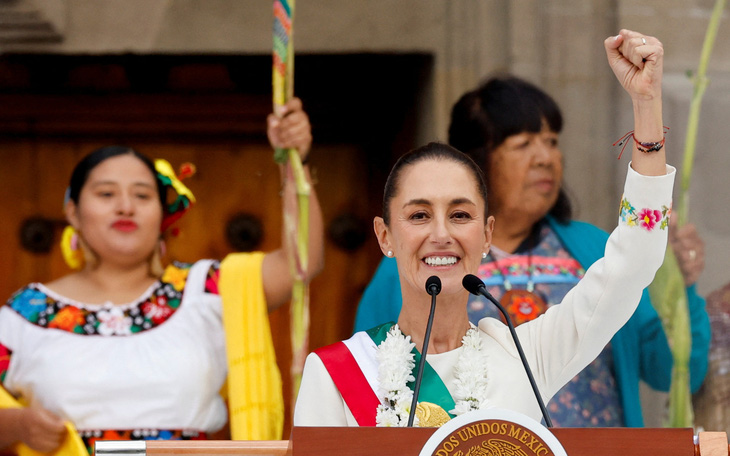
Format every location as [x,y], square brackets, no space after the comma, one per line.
[431,415]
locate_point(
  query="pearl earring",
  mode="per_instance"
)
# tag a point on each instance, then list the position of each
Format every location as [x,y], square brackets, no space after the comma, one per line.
[389,254]
[484,254]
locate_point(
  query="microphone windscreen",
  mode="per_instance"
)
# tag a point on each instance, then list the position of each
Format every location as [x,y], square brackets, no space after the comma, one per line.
[472,283]
[433,285]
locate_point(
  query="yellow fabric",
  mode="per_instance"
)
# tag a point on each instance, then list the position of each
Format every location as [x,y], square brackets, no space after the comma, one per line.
[255,400]
[72,445]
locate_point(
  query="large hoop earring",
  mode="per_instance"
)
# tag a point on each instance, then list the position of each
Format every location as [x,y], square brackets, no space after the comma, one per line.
[72,255]
[156,268]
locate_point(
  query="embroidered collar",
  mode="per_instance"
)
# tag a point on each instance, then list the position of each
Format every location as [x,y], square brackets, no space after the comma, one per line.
[42,307]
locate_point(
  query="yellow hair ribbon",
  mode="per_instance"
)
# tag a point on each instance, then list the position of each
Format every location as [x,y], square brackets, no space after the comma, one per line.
[175,209]
[165,168]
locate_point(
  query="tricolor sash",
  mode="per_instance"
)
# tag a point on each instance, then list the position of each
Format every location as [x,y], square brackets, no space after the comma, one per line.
[353,369]
[350,380]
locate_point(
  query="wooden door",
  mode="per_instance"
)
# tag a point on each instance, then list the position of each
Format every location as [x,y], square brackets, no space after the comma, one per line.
[232,179]
[209,111]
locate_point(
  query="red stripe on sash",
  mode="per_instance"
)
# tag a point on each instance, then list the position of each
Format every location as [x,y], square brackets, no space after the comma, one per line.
[351,382]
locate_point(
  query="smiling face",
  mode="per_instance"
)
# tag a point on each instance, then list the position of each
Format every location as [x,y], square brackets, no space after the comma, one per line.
[525,175]
[119,210]
[436,225]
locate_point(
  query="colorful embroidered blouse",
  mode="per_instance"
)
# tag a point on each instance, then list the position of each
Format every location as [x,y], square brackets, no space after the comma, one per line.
[90,362]
[44,308]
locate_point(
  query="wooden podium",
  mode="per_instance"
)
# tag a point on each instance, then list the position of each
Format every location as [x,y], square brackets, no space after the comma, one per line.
[576,441]
[361,441]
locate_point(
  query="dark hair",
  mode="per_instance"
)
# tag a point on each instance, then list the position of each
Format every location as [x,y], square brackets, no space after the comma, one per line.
[83,168]
[431,151]
[501,107]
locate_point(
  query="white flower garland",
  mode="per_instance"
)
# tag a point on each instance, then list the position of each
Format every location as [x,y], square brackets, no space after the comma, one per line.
[395,367]
[470,375]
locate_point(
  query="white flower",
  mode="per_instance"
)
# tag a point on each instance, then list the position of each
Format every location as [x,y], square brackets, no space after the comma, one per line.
[395,361]
[114,322]
[461,408]
[387,417]
[470,375]
[395,370]
[403,401]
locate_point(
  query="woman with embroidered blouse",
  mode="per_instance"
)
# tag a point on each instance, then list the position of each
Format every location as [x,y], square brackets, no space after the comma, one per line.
[124,349]
[435,222]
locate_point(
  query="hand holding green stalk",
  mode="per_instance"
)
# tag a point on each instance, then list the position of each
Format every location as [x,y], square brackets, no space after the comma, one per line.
[288,128]
[668,292]
[290,133]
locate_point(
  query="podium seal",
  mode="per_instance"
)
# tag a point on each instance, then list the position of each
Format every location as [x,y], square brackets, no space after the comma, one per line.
[492,432]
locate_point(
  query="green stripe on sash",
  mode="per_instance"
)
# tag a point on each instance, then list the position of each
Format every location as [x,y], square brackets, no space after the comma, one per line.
[433,388]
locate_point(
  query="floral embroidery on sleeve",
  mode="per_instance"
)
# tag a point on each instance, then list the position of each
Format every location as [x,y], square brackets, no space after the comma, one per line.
[211,281]
[645,218]
[4,362]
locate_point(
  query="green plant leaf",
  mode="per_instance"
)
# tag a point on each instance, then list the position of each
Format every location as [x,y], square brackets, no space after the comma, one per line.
[669,297]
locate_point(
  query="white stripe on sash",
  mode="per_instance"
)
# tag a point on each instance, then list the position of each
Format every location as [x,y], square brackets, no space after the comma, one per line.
[363,348]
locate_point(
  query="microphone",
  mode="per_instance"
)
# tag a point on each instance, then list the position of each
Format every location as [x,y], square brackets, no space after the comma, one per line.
[433,287]
[475,286]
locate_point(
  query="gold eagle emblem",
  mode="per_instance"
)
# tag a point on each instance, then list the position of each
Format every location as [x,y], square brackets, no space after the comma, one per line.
[431,415]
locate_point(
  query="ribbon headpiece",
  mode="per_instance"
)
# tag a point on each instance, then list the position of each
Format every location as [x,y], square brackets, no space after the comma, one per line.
[184,198]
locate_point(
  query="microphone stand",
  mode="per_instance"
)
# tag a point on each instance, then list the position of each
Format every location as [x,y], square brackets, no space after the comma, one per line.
[482,290]
[433,290]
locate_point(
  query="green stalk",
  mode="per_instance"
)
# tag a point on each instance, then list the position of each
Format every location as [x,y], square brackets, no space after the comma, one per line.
[303,191]
[283,91]
[700,85]
[299,311]
[669,298]
[668,292]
